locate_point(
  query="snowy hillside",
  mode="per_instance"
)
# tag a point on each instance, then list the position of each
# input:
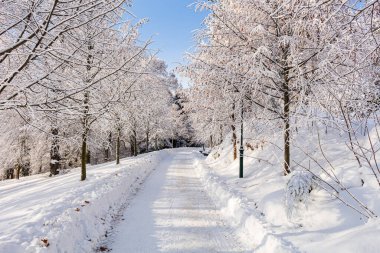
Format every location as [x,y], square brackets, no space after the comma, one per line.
[255,205]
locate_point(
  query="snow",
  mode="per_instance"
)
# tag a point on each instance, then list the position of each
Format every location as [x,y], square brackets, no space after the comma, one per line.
[242,215]
[54,161]
[255,206]
[173,213]
[188,203]
[72,215]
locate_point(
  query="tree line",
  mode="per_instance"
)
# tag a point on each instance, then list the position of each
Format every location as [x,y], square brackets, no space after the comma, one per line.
[79,86]
[288,66]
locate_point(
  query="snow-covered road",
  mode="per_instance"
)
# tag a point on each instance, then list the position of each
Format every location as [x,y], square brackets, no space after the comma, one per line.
[173,213]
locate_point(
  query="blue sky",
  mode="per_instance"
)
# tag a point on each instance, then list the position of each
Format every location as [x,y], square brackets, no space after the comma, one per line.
[171,25]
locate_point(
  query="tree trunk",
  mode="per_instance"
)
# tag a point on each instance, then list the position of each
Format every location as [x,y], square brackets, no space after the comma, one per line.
[221,134]
[107,152]
[156,143]
[54,153]
[18,168]
[84,156]
[286,126]
[234,140]
[10,173]
[147,141]
[88,156]
[132,145]
[233,128]
[135,143]
[118,146]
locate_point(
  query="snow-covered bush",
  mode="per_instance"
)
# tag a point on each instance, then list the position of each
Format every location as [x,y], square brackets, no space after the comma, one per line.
[298,189]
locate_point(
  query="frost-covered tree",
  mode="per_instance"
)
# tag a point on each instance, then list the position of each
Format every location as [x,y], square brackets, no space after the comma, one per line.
[32,34]
[81,71]
[274,58]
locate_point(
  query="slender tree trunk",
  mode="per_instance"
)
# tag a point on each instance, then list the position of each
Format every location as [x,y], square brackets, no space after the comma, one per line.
[118,146]
[106,154]
[18,168]
[234,140]
[286,125]
[84,156]
[233,128]
[54,153]
[156,143]
[135,142]
[147,141]
[221,134]
[88,156]
[132,146]
[107,151]
[286,110]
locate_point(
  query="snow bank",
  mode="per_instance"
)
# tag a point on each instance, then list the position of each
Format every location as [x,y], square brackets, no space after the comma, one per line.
[256,204]
[64,213]
[242,216]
